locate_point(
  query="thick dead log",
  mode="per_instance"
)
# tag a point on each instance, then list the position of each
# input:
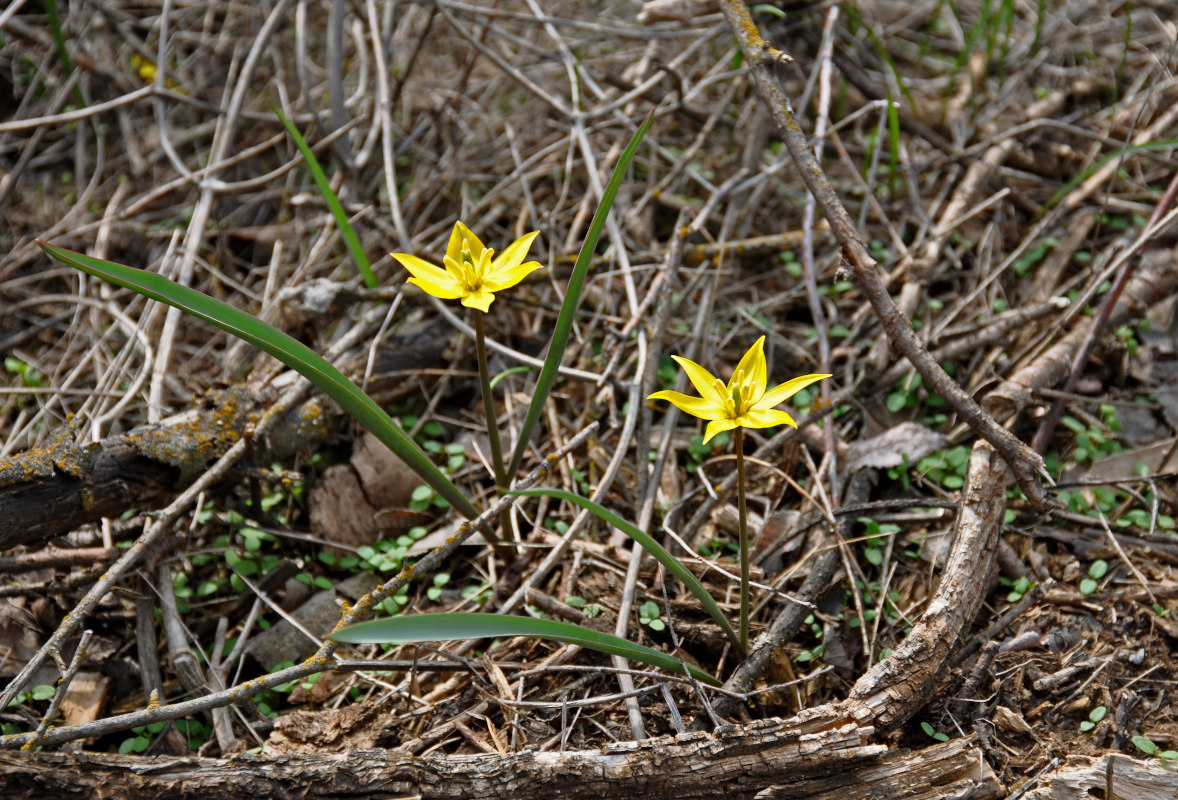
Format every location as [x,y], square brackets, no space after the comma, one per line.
[1110,776]
[85,483]
[147,466]
[899,686]
[816,757]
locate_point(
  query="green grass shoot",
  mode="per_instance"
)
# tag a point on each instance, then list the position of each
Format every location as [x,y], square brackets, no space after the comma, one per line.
[450,627]
[291,352]
[672,564]
[333,204]
[572,299]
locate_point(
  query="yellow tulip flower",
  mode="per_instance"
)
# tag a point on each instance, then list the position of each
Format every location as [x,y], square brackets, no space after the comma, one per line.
[743,402]
[472,274]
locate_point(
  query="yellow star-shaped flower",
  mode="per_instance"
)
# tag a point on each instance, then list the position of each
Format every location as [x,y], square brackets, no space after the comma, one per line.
[743,403]
[471,273]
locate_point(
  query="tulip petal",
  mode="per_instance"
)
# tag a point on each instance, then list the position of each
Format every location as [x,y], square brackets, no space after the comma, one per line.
[784,391]
[505,279]
[766,418]
[479,300]
[460,234]
[440,292]
[696,406]
[703,381]
[755,370]
[432,280]
[719,426]
[514,255]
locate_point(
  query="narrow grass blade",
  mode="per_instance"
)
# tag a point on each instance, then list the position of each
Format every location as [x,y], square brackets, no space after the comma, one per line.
[885,55]
[673,565]
[293,353]
[63,52]
[893,146]
[447,627]
[1096,166]
[337,210]
[572,299]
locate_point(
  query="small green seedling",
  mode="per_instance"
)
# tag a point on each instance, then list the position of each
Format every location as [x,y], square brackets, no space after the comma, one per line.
[1096,570]
[650,616]
[933,733]
[1094,716]
[1148,747]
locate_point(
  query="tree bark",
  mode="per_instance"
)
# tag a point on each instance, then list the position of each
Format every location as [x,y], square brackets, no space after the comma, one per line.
[147,466]
[818,755]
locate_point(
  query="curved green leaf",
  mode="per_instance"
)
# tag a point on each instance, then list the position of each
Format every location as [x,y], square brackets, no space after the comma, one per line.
[660,553]
[447,627]
[572,299]
[337,210]
[294,354]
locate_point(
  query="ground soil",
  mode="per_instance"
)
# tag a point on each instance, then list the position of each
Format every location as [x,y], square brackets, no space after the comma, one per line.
[999,161]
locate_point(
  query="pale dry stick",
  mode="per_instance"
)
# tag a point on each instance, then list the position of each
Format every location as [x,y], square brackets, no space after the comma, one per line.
[1121,553]
[10,12]
[335,76]
[67,677]
[502,63]
[184,661]
[816,311]
[1128,266]
[157,100]
[384,110]
[304,77]
[318,662]
[79,114]
[222,724]
[194,236]
[629,586]
[1023,462]
[645,370]
[163,519]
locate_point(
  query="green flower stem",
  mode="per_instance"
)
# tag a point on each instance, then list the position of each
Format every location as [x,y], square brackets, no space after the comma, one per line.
[744,541]
[480,342]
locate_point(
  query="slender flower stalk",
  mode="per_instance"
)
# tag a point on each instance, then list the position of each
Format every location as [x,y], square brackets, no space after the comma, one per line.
[741,403]
[745,547]
[473,275]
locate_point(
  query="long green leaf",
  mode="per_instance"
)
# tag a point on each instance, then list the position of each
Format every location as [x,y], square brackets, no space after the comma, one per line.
[673,565]
[294,354]
[447,627]
[337,210]
[572,299]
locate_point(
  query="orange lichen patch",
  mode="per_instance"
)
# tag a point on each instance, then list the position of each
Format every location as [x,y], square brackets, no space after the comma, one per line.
[746,29]
[58,455]
[190,445]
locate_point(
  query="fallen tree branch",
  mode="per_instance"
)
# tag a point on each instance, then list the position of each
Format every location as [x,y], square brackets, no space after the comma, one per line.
[821,754]
[1025,463]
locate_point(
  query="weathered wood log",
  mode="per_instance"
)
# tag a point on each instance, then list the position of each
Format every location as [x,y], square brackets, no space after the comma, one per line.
[821,756]
[1110,776]
[145,467]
